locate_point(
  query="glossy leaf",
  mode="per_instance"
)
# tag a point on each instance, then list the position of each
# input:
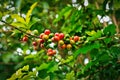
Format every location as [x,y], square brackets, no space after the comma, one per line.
[84,49]
[18,18]
[28,15]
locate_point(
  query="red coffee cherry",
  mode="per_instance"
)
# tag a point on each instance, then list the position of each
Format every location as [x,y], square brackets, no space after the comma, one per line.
[41,35]
[63,46]
[49,50]
[56,34]
[76,38]
[25,39]
[54,52]
[56,38]
[50,54]
[47,32]
[40,41]
[42,45]
[61,35]
[34,43]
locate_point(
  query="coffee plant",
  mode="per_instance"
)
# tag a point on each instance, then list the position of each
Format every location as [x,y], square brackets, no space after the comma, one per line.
[59,40]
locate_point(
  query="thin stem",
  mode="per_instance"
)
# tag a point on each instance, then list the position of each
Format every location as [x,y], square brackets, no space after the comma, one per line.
[19,29]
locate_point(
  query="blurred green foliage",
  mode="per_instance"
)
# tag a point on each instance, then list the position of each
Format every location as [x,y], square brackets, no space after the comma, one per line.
[100,39]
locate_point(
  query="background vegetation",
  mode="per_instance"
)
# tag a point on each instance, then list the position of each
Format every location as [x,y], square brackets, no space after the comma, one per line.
[95,57]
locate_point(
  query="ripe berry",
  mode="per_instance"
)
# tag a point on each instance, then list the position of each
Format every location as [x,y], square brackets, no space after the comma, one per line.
[56,34]
[54,52]
[61,35]
[76,38]
[56,38]
[47,31]
[49,50]
[41,35]
[42,45]
[34,43]
[45,37]
[69,46]
[25,38]
[63,46]
[40,41]
[50,54]
[61,42]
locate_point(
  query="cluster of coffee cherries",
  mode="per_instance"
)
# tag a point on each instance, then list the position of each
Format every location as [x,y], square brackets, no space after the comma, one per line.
[60,40]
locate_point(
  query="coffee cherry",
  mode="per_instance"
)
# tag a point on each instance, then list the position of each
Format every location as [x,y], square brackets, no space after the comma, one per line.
[49,41]
[63,46]
[67,41]
[50,54]
[71,38]
[72,42]
[61,35]
[40,41]
[45,37]
[25,38]
[42,45]
[56,38]
[54,52]
[67,36]
[61,42]
[76,38]
[56,34]
[69,46]
[47,31]
[41,35]
[51,35]
[34,43]
[35,32]
[49,50]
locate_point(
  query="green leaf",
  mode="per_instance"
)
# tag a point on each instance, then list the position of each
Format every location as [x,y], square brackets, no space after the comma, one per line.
[93,35]
[47,78]
[43,66]
[70,76]
[110,30]
[107,40]
[84,49]
[18,18]
[29,76]
[19,24]
[25,68]
[53,68]
[6,57]
[65,12]
[34,20]
[70,58]
[90,33]
[29,12]
[19,73]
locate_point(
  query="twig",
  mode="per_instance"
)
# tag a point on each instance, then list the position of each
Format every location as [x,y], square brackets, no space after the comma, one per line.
[19,29]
